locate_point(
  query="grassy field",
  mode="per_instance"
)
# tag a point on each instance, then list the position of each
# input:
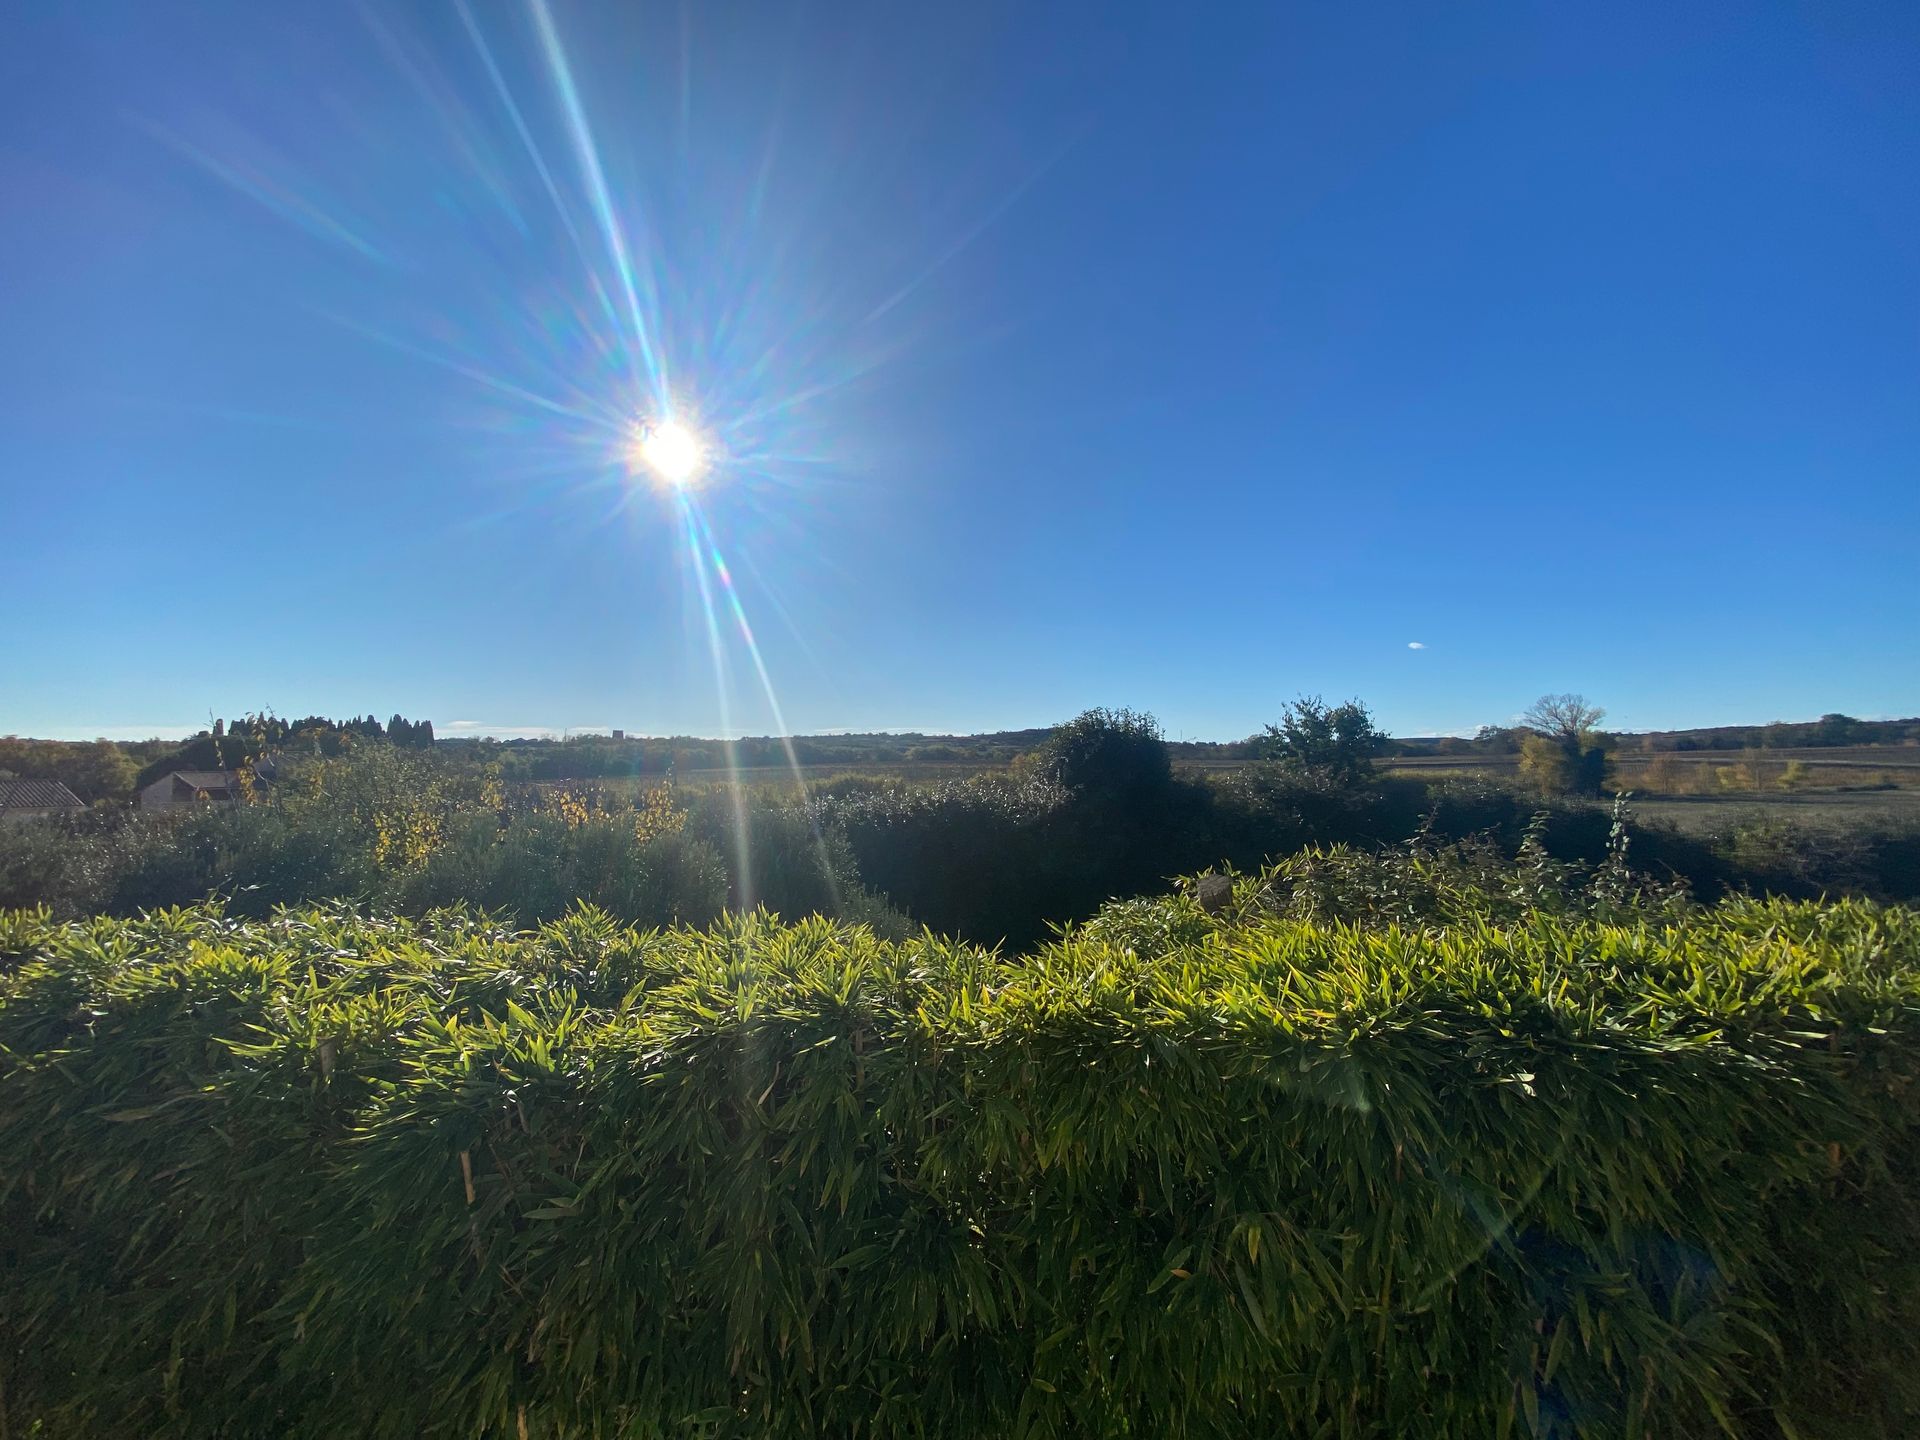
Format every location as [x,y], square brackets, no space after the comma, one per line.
[1701,791]
[1849,780]
[916,773]
[1819,807]
[1710,790]
[1835,758]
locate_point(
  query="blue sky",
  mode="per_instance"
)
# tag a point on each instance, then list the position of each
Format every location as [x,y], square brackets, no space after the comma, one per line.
[1187,358]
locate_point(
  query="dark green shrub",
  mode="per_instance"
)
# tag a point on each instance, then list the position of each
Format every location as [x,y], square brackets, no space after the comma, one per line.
[997,859]
[1782,858]
[38,862]
[1265,810]
[1116,755]
[1172,1175]
[1465,882]
[785,857]
[538,867]
[1335,743]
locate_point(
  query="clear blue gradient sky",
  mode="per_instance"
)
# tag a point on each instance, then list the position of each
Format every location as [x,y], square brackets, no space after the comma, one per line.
[1182,357]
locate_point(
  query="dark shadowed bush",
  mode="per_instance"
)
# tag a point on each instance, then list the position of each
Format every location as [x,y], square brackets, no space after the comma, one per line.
[1118,755]
[1173,1175]
[998,859]
[538,867]
[782,856]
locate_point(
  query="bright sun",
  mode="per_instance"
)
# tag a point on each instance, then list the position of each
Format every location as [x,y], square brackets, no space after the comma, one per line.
[672,452]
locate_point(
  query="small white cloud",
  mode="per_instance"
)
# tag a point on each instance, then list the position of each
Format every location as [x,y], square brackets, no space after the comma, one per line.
[1416,644]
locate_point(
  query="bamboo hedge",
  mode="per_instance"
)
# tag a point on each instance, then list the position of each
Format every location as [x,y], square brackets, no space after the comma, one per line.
[1173,1175]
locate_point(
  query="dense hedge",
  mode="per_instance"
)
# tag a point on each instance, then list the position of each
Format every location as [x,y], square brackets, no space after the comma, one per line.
[1174,1175]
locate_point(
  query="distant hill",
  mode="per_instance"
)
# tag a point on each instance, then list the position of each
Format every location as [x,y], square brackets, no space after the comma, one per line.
[591,756]
[1828,732]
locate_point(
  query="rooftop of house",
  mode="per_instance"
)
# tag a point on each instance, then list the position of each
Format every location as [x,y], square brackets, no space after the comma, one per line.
[37,795]
[204,779]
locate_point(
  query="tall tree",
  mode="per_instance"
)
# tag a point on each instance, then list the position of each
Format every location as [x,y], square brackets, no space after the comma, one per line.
[1333,742]
[1566,754]
[1563,717]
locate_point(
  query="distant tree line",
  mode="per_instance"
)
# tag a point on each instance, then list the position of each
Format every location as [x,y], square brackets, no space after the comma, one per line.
[1553,758]
[94,770]
[1829,731]
[245,741]
[1098,810]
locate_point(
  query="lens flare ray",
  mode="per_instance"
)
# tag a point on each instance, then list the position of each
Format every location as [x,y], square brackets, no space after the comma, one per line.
[273,196]
[588,155]
[737,797]
[538,160]
[699,534]
[602,420]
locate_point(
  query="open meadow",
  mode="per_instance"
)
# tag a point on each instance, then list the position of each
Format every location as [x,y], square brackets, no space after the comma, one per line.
[1837,808]
[1715,789]
[1698,791]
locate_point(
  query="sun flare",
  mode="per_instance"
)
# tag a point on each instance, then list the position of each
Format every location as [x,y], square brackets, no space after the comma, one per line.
[672,452]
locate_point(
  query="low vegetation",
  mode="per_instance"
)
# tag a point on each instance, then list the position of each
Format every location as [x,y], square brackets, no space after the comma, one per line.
[1368,1146]
[1098,810]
